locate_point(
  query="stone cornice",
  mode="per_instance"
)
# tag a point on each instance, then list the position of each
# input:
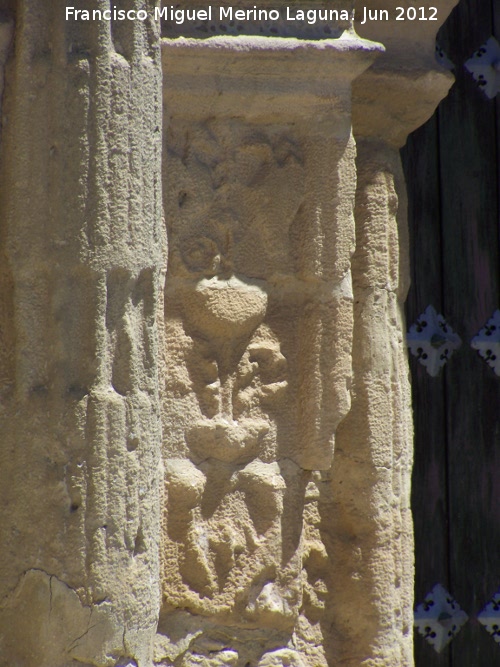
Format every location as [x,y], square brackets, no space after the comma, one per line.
[259,76]
[400,91]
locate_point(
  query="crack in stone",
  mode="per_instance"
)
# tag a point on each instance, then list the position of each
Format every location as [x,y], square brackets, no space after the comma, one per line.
[73,645]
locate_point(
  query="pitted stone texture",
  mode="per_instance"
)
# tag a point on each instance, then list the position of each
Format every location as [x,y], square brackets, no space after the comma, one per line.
[82,237]
[368,517]
[247,214]
[282,658]
[6,334]
[258,305]
[223,557]
[244,266]
[269,555]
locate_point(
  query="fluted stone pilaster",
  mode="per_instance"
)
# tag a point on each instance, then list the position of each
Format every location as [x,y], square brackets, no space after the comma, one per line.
[370,516]
[80,422]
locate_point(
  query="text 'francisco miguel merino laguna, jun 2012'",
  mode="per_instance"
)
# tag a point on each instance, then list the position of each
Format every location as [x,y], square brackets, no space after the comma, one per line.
[179,16]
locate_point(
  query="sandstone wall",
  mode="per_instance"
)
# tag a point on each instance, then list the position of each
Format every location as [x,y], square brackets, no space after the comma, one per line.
[205,453]
[83,248]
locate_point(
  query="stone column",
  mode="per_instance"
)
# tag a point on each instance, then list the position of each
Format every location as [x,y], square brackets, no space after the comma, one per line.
[6,30]
[368,517]
[82,235]
[259,196]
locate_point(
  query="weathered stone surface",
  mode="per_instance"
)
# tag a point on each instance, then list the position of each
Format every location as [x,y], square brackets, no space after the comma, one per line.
[367,512]
[49,625]
[408,73]
[242,417]
[6,34]
[82,238]
[258,307]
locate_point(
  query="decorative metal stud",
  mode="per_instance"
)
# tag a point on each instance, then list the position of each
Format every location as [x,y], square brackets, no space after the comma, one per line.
[439,618]
[490,617]
[485,68]
[487,342]
[443,59]
[432,340]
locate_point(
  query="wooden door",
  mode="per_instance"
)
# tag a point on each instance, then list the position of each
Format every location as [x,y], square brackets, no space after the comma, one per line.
[452,171]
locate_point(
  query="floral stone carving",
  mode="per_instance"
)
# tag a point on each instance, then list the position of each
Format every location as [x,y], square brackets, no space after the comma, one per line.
[258,314]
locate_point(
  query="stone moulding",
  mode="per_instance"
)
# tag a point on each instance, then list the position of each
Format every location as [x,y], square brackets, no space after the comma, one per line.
[264,78]
[413,83]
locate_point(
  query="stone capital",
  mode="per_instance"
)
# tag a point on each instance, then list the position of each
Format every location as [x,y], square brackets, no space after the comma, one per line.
[263,79]
[401,90]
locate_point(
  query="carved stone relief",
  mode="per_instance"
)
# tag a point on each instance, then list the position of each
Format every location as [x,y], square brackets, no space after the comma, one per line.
[258,310]
[227,482]
[266,554]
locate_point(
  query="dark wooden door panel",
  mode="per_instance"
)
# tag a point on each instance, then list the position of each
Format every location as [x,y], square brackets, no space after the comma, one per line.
[452,171]
[430,487]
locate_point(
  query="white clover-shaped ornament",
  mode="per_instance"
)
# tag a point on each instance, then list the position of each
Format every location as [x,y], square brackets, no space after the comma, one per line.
[484,66]
[442,58]
[439,618]
[490,617]
[432,340]
[487,342]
